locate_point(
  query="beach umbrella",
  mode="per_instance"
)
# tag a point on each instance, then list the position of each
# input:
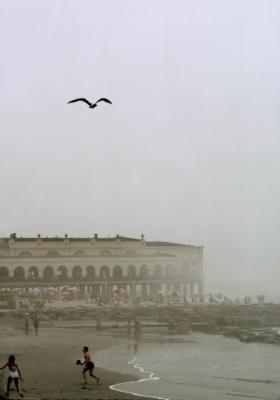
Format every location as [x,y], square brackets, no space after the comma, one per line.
[16,290]
[174,293]
[52,289]
[73,289]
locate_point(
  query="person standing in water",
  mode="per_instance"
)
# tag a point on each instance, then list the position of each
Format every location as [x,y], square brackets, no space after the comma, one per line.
[88,366]
[14,374]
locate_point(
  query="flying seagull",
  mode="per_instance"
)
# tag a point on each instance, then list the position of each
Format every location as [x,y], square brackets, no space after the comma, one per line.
[91,105]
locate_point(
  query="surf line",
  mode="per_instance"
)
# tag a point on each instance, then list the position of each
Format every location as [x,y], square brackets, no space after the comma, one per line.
[113,387]
[150,378]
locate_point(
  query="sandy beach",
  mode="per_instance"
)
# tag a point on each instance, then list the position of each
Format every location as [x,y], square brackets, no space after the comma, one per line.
[47,362]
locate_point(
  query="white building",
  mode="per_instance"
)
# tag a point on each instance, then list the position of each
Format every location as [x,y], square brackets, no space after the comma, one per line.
[99,264]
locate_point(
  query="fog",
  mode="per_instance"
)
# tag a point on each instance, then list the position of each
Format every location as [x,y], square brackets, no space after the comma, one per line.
[189,150]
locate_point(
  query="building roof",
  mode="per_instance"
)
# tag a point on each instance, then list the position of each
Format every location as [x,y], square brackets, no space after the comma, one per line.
[95,237]
[155,243]
[70,238]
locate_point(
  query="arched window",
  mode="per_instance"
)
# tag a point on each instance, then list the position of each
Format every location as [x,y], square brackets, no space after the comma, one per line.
[53,253]
[33,273]
[77,273]
[48,273]
[130,253]
[104,272]
[79,253]
[144,272]
[25,253]
[90,274]
[131,272]
[4,273]
[105,253]
[62,272]
[19,274]
[158,271]
[169,271]
[117,272]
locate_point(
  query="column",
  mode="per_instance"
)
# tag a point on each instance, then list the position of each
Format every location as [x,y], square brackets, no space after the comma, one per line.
[185,290]
[168,288]
[191,290]
[144,291]
[109,291]
[200,290]
[176,287]
[133,290]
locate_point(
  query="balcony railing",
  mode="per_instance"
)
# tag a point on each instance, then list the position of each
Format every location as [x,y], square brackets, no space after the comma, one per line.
[60,280]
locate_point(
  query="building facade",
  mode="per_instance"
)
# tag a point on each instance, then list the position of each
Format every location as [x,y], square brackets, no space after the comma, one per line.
[98,265]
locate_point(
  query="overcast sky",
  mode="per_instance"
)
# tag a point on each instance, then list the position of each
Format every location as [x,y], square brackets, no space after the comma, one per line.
[189,150]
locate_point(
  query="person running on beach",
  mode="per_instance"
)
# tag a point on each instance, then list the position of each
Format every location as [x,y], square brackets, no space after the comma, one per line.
[88,366]
[14,374]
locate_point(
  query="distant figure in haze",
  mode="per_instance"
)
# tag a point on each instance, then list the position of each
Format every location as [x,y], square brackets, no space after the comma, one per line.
[88,366]
[36,324]
[91,105]
[26,324]
[14,374]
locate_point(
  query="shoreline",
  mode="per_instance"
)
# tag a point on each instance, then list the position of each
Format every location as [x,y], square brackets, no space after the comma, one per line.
[150,378]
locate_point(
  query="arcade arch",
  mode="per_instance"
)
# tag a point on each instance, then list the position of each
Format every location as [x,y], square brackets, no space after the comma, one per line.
[157,272]
[48,273]
[19,274]
[77,273]
[169,271]
[144,272]
[104,272]
[117,272]
[4,273]
[131,272]
[33,273]
[90,272]
[62,272]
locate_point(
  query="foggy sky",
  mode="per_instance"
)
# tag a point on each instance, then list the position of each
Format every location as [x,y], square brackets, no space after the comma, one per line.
[189,150]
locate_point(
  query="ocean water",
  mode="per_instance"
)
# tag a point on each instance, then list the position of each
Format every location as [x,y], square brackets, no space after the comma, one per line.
[196,367]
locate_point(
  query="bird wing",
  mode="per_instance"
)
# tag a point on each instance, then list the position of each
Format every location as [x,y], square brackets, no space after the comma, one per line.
[104,99]
[80,99]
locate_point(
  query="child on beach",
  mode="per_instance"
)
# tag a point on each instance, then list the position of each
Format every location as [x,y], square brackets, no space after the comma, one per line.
[14,374]
[88,366]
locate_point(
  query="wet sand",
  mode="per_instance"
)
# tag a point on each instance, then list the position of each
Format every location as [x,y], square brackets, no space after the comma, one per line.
[47,362]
